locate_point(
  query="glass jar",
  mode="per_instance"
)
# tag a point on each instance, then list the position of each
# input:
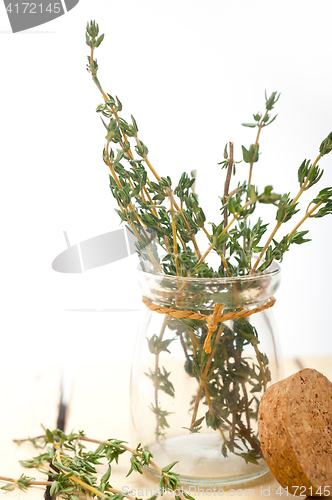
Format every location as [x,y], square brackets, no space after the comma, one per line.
[196,407]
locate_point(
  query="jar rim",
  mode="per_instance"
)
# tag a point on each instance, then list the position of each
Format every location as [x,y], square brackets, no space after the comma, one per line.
[273,270]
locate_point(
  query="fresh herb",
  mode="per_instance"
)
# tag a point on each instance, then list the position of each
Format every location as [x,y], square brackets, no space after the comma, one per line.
[166,217]
[153,206]
[71,468]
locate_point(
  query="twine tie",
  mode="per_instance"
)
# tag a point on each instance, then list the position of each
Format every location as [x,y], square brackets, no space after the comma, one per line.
[212,320]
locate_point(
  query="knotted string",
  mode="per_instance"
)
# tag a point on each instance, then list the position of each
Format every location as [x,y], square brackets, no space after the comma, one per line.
[212,320]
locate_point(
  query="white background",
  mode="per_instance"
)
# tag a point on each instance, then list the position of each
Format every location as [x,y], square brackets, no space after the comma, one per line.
[190,72]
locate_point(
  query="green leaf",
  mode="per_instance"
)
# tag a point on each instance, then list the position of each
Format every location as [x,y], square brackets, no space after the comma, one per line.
[135,127]
[156,346]
[186,495]
[196,426]
[251,155]
[106,476]
[326,145]
[250,458]
[22,485]
[8,487]
[54,488]
[246,155]
[146,457]
[271,101]
[170,466]
[271,121]
[298,237]
[100,39]
[251,125]
[119,104]
[49,436]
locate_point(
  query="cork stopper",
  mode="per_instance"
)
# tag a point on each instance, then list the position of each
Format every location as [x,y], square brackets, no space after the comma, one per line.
[295,431]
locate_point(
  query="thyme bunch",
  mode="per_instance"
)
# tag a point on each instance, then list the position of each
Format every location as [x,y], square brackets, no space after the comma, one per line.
[71,468]
[158,210]
[166,217]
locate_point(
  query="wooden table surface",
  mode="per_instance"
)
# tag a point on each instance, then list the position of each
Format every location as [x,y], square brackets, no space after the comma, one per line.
[31,395]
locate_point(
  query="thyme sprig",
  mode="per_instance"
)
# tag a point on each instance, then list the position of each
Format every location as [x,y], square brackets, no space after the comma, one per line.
[71,468]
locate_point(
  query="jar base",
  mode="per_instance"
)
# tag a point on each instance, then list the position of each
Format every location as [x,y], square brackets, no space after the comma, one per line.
[201,462]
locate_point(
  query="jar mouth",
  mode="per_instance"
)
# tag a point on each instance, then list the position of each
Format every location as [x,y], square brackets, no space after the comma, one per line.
[273,270]
[193,293]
